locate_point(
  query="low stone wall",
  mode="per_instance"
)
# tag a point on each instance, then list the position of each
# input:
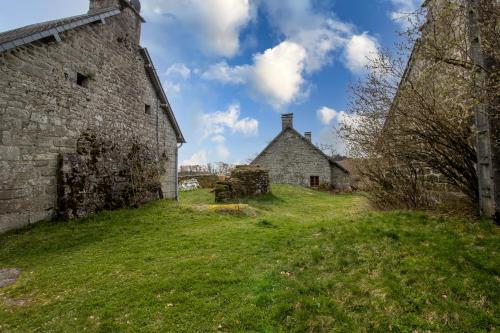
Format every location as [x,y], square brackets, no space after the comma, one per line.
[205,181]
[244,181]
[102,175]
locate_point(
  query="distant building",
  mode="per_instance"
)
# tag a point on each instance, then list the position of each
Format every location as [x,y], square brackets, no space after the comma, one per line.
[292,158]
[62,79]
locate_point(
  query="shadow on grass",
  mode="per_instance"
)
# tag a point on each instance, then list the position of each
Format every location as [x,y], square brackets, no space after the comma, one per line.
[58,235]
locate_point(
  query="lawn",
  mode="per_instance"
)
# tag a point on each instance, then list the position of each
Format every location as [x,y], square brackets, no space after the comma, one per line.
[294,261]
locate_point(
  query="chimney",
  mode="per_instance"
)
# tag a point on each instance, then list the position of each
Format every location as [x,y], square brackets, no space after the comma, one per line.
[101,4]
[287,120]
[130,20]
[308,135]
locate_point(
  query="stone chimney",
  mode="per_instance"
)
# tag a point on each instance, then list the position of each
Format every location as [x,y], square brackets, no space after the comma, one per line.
[287,121]
[308,136]
[128,25]
[101,4]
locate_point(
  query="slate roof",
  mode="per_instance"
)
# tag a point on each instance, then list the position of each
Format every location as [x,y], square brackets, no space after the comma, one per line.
[331,160]
[153,76]
[28,34]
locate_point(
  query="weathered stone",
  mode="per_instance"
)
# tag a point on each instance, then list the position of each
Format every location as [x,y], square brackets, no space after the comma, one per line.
[43,112]
[10,153]
[292,159]
[102,175]
[8,276]
[13,221]
[245,181]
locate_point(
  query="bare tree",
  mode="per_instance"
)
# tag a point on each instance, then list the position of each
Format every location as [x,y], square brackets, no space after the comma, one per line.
[416,117]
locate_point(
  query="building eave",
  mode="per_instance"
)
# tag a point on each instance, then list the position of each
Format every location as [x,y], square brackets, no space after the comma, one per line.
[55,28]
[165,104]
[330,160]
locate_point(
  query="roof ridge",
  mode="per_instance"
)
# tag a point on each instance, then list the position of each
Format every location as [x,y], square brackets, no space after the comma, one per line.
[330,159]
[30,33]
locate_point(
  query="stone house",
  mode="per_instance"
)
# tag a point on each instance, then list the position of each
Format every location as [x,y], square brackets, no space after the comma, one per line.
[60,81]
[292,158]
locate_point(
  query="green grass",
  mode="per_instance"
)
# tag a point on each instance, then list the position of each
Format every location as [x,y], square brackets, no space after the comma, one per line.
[306,261]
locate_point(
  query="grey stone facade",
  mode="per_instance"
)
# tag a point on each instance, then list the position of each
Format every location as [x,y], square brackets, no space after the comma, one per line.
[91,77]
[293,159]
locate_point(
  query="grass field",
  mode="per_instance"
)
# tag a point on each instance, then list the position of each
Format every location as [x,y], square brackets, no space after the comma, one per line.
[294,261]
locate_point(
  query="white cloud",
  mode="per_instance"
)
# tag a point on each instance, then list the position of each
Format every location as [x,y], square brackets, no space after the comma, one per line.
[317,31]
[222,72]
[198,158]
[218,139]
[279,75]
[222,152]
[358,52]
[326,115]
[217,123]
[216,24]
[275,75]
[179,70]
[403,10]
[330,136]
[171,87]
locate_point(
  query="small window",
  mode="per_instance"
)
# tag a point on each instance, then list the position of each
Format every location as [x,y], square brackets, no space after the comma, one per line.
[147,109]
[314,181]
[82,80]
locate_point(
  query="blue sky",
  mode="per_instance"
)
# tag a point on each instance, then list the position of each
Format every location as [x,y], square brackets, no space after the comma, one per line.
[230,67]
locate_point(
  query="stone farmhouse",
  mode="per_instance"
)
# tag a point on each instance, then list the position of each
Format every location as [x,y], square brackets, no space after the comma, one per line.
[292,158]
[84,120]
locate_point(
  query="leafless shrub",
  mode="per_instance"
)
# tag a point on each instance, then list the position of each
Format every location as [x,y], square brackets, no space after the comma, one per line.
[418,115]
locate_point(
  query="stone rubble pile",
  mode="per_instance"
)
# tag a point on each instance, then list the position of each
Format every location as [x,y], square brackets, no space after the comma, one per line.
[245,181]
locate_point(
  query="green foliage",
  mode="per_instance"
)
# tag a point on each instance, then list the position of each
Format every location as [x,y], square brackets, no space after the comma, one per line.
[309,262]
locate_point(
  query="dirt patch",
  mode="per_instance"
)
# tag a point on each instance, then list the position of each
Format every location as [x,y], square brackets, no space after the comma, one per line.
[233,209]
[8,276]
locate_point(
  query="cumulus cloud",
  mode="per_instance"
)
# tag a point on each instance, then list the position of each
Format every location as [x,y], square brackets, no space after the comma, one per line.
[179,70]
[403,9]
[279,75]
[327,115]
[222,152]
[330,136]
[358,52]
[276,75]
[218,138]
[198,158]
[223,73]
[216,24]
[318,33]
[216,123]
[172,87]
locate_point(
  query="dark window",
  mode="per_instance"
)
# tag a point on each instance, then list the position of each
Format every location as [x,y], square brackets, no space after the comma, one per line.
[82,80]
[314,181]
[147,109]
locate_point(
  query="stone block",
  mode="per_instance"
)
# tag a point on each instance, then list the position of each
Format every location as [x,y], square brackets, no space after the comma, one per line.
[10,153]
[6,138]
[14,193]
[13,221]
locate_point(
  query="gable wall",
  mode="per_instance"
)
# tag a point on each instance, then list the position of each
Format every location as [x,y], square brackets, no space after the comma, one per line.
[290,160]
[43,112]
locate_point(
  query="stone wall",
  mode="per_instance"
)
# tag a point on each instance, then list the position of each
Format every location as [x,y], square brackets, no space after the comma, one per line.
[244,182]
[205,181]
[43,112]
[103,175]
[292,160]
